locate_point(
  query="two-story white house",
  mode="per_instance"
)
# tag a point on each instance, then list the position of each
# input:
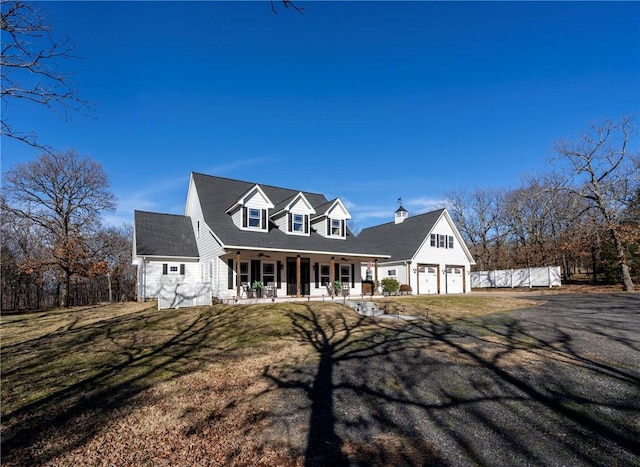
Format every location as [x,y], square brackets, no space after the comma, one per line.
[295,243]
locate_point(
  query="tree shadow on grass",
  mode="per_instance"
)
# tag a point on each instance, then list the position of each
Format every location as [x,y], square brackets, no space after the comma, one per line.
[77,378]
[429,392]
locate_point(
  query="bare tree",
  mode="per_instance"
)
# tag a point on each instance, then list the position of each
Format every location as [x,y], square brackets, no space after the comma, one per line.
[30,63]
[477,215]
[601,168]
[64,197]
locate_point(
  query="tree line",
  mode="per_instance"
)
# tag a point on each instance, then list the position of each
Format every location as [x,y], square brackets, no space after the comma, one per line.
[583,214]
[55,249]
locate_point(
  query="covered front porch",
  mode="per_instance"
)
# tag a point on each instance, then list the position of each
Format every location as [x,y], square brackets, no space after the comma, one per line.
[255,276]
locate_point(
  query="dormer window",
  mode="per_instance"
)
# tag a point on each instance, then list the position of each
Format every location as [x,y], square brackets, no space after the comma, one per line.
[254,218]
[335,227]
[299,223]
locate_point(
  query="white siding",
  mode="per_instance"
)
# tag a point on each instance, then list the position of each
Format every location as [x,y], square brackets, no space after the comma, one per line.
[281,222]
[320,226]
[152,279]
[443,257]
[208,246]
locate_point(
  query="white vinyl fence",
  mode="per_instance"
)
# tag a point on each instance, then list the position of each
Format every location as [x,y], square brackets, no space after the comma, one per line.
[184,295]
[530,277]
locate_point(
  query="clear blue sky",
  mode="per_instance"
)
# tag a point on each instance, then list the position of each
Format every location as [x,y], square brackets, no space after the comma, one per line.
[368,101]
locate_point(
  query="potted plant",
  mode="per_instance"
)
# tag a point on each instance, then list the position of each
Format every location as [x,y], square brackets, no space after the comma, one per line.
[257,286]
[337,287]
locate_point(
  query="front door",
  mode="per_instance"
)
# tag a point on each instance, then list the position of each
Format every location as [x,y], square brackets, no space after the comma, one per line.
[292,276]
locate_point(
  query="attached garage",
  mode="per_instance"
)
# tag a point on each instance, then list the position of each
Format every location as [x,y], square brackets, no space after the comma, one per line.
[454,279]
[426,252]
[427,280]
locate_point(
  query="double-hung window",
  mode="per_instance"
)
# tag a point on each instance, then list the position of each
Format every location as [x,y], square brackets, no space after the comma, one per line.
[345,275]
[268,273]
[441,241]
[254,218]
[336,227]
[325,274]
[298,223]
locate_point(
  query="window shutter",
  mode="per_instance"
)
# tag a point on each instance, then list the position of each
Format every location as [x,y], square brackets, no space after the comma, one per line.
[290,217]
[264,218]
[342,229]
[278,273]
[230,274]
[450,241]
[316,268]
[182,269]
[165,268]
[328,226]
[336,272]
[353,275]
[255,269]
[306,224]
[245,214]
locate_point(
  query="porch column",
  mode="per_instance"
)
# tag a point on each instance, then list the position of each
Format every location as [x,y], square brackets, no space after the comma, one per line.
[298,285]
[332,276]
[238,285]
[375,276]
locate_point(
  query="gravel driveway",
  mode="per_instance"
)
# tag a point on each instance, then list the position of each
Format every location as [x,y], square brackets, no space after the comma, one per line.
[558,384]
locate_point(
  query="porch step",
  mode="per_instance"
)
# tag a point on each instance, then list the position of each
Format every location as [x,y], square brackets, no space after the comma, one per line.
[365,308]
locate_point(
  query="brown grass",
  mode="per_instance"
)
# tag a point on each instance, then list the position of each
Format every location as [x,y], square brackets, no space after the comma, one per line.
[127,384]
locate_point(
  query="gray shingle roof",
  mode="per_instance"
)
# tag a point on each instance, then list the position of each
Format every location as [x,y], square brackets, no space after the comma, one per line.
[216,194]
[402,240]
[164,235]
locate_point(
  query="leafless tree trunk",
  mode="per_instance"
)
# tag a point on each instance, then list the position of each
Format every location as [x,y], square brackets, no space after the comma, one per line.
[599,168]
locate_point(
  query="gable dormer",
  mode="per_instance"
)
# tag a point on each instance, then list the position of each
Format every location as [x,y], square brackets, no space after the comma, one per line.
[331,220]
[251,211]
[293,215]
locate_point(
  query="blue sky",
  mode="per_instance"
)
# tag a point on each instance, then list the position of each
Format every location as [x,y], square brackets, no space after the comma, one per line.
[367,101]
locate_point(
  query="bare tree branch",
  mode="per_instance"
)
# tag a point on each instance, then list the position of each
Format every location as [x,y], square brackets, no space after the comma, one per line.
[30,69]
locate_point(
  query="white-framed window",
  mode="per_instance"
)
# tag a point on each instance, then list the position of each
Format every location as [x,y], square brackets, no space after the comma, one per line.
[345,275]
[254,218]
[244,272]
[298,223]
[268,273]
[325,274]
[173,269]
[391,272]
[335,227]
[441,241]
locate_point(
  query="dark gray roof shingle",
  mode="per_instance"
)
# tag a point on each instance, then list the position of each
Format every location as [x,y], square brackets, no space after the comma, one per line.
[216,194]
[402,240]
[164,235]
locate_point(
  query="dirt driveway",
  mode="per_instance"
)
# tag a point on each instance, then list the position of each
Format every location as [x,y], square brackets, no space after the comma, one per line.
[554,385]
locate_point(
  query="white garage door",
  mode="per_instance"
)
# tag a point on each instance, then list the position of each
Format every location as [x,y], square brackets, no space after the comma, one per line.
[427,280]
[454,280]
